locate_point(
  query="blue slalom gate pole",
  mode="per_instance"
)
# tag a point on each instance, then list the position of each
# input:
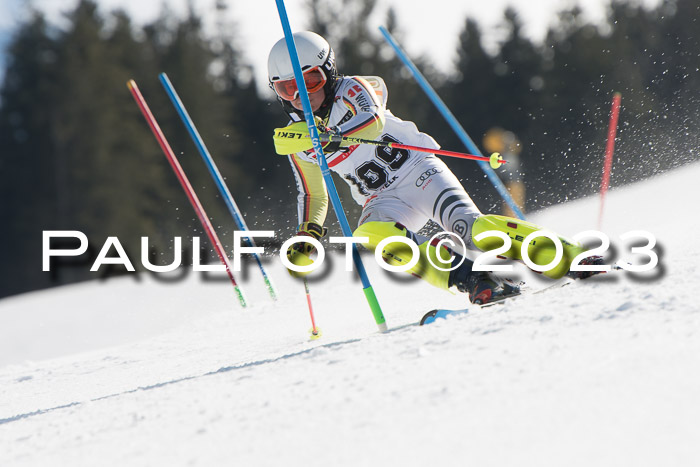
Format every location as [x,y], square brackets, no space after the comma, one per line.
[453,122]
[213,169]
[320,156]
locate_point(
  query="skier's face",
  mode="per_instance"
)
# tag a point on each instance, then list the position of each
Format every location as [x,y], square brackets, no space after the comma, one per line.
[316,99]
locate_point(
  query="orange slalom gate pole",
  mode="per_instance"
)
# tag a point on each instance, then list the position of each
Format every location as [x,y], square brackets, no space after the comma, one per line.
[189,191]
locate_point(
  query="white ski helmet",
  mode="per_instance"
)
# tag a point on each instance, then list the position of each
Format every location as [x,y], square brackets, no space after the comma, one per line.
[317,62]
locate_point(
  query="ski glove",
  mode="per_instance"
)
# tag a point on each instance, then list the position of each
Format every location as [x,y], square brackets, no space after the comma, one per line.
[299,253]
[295,138]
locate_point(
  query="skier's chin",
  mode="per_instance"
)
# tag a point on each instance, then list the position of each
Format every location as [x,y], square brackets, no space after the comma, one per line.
[298,105]
[316,99]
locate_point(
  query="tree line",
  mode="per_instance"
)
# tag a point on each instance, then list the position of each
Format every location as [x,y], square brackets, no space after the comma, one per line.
[75,153]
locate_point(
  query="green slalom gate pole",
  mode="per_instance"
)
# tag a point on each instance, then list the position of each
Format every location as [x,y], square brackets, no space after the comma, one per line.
[330,185]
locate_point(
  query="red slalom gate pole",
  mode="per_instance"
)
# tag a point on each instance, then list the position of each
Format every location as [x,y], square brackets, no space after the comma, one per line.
[609,149]
[189,191]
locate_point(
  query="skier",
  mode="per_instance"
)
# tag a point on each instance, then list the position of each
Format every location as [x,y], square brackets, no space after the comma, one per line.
[399,190]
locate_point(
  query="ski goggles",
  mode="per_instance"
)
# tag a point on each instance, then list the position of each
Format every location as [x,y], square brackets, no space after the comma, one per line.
[314,78]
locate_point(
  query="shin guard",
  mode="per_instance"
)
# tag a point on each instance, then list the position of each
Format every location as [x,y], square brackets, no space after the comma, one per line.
[398,253]
[541,250]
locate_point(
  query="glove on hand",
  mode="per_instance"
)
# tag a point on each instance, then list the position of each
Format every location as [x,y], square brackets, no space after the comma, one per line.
[295,138]
[299,253]
[331,139]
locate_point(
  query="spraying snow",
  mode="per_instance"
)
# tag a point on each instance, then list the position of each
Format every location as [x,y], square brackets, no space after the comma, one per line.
[143,372]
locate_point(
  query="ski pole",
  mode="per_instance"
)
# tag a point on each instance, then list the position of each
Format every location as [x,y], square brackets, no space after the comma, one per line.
[189,191]
[494,160]
[367,288]
[214,171]
[315,332]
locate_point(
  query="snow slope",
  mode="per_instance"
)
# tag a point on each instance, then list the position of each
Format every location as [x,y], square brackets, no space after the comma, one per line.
[142,372]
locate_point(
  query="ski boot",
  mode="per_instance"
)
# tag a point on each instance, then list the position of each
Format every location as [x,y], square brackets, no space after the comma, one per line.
[591,260]
[482,286]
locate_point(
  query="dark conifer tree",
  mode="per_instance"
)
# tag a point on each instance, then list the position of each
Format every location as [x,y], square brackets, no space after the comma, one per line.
[31,180]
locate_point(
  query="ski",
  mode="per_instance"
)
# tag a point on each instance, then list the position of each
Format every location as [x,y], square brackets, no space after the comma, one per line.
[436,314]
[439,313]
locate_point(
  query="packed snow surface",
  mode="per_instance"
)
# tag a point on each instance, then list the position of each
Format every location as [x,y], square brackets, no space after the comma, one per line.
[140,371]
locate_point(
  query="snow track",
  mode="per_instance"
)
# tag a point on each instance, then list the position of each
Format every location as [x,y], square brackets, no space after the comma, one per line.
[601,372]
